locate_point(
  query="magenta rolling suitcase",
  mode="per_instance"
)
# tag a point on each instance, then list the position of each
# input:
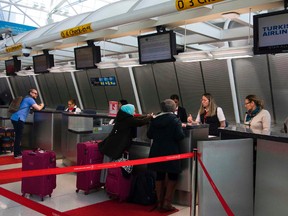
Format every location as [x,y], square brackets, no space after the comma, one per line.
[88,153]
[39,185]
[117,186]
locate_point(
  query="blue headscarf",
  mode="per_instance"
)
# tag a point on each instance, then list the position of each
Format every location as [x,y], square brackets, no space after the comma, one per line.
[128,108]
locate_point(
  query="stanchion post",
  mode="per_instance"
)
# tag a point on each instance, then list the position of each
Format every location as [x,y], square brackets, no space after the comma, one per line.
[194,184]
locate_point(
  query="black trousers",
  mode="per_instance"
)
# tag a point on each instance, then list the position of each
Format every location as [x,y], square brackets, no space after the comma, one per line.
[18,128]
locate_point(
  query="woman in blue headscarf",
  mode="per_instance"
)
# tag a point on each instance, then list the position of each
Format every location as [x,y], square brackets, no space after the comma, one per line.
[120,138]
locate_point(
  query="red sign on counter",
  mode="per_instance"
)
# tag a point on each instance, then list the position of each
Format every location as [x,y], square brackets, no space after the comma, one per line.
[113,108]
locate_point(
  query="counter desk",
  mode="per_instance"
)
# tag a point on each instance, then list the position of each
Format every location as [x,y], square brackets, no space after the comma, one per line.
[80,128]
[47,130]
[270,168]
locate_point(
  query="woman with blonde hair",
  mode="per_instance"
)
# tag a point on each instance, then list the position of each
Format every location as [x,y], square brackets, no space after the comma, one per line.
[210,113]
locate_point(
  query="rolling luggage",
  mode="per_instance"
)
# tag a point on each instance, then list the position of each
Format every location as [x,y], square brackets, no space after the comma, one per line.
[38,185]
[118,182]
[88,153]
[117,186]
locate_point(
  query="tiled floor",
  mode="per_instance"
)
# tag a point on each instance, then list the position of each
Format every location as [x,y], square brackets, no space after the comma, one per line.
[63,198]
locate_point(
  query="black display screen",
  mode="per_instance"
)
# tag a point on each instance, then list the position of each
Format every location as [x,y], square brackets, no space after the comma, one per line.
[41,63]
[12,66]
[87,56]
[271,33]
[158,47]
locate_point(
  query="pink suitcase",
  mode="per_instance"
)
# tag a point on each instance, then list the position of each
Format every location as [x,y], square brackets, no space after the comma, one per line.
[39,185]
[117,186]
[88,153]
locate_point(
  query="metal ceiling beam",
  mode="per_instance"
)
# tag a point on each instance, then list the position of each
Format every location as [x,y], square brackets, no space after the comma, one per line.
[204,29]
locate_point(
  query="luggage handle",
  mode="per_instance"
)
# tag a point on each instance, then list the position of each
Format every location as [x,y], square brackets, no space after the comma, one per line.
[34,151]
[127,155]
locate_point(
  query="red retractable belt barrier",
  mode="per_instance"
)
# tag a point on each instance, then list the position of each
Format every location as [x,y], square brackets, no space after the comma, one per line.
[214,187]
[63,170]
[51,212]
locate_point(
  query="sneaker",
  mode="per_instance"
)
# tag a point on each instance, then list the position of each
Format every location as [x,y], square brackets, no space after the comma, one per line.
[18,157]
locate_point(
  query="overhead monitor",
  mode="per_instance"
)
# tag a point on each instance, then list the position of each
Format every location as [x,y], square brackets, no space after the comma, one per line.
[158,47]
[41,63]
[271,33]
[87,56]
[12,66]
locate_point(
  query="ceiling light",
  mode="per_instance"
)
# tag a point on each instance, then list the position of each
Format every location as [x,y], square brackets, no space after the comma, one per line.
[132,62]
[230,15]
[106,64]
[194,56]
[233,52]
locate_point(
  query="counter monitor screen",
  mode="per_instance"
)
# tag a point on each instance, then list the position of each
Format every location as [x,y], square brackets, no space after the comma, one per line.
[41,63]
[86,57]
[12,66]
[158,47]
[271,33]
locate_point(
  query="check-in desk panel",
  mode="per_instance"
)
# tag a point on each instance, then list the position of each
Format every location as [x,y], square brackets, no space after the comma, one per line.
[270,167]
[46,130]
[80,128]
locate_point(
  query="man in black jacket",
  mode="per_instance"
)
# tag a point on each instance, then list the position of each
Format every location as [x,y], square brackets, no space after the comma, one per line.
[179,111]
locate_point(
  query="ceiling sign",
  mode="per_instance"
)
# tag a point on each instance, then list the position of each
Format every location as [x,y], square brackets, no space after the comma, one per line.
[188,4]
[15,27]
[79,30]
[14,48]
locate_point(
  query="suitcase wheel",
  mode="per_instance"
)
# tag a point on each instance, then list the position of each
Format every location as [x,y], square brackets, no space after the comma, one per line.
[42,198]
[77,190]
[23,194]
[86,192]
[49,195]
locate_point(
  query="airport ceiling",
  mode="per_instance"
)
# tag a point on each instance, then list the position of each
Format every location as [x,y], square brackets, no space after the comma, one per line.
[117,23]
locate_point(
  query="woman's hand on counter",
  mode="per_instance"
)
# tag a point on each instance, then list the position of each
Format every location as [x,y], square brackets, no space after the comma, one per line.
[190,119]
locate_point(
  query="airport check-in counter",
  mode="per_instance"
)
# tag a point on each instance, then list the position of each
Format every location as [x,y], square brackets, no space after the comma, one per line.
[270,168]
[78,128]
[141,147]
[46,130]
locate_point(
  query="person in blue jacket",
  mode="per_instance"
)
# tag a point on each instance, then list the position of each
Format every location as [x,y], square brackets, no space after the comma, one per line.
[19,117]
[166,132]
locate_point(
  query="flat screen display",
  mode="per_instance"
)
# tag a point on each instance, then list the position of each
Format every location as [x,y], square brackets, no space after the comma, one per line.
[87,56]
[41,63]
[158,47]
[271,33]
[12,66]
[103,81]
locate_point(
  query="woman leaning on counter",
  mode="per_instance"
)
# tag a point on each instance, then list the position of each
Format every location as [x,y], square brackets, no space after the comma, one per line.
[256,116]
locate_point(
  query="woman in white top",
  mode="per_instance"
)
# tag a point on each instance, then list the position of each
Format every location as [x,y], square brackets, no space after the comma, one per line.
[256,117]
[72,107]
[210,114]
